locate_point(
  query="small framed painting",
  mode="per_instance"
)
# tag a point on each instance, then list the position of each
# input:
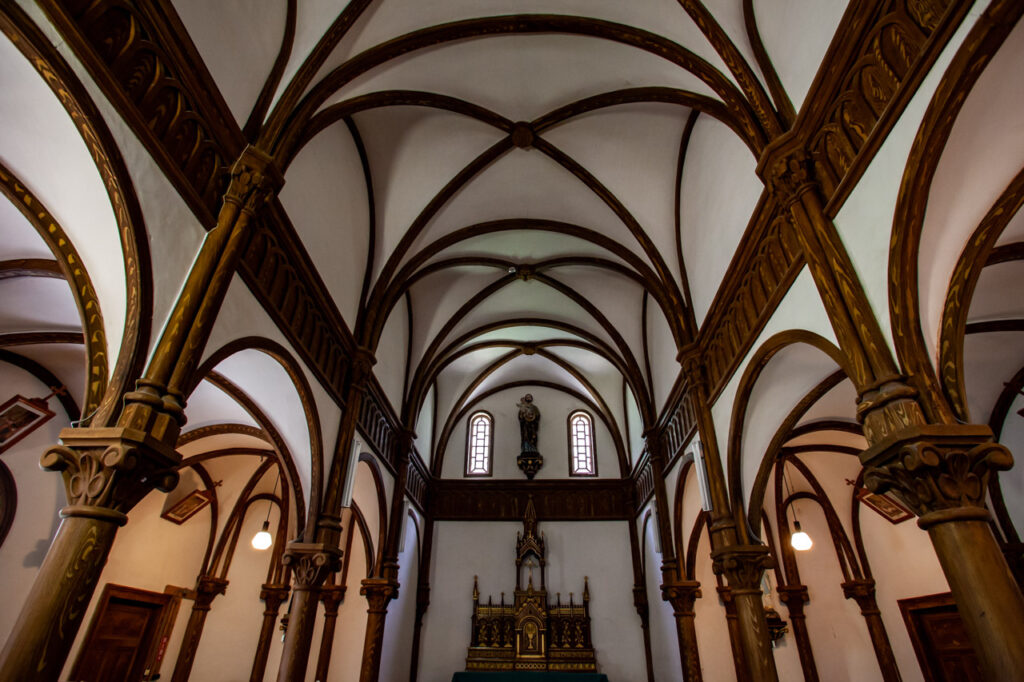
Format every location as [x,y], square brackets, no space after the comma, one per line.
[19,417]
[188,506]
[887,506]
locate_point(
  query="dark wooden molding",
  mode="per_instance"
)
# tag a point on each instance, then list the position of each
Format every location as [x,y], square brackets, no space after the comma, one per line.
[8,501]
[555,500]
[36,338]
[30,267]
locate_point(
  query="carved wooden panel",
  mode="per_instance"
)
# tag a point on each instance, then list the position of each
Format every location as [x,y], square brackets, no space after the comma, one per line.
[885,60]
[555,500]
[156,83]
[757,279]
[416,481]
[679,427]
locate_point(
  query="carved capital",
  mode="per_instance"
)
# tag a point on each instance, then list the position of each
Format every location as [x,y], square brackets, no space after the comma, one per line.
[207,588]
[362,362]
[254,179]
[862,591]
[107,471]
[794,597]
[887,408]
[940,472]
[332,596]
[273,596]
[378,592]
[692,364]
[682,595]
[311,563]
[742,565]
[787,169]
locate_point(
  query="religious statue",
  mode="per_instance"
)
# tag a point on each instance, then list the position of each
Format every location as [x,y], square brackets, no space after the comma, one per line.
[529,459]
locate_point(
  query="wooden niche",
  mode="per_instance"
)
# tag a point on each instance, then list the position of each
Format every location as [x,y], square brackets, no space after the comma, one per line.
[531,633]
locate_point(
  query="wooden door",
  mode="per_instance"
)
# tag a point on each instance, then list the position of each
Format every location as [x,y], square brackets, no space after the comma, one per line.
[124,636]
[940,639]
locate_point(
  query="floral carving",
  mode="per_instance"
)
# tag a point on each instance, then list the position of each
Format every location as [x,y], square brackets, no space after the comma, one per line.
[311,564]
[115,475]
[742,565]
[932,477]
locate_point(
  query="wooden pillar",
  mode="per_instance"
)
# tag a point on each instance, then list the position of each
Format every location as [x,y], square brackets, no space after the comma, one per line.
[107,471]
[743,567]
[382,588]
[863,592]
[682,595]
[941,472]
[422,597]
[310,564]
[725,594]
[331,596]
[207,588]
[378,592]
[273,596]
[795,597]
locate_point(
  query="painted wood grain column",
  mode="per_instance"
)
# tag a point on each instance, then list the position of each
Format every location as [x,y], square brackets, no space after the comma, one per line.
[207,589]
[273,596]
[862,591]
[332,596]
[107,471]
[310,564]
[742,563]
[795,597]
[682,595]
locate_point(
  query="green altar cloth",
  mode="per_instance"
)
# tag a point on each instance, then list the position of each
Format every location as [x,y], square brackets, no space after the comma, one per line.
[526,676]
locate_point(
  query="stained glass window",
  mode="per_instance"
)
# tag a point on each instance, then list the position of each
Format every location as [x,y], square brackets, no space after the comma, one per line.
[581,444]
[478,446]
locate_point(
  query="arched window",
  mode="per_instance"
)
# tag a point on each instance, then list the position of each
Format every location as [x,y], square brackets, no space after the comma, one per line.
[581,445]
[479,444]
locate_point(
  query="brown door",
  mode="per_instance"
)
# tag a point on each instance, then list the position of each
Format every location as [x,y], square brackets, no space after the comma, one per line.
[122,639]
[940,639]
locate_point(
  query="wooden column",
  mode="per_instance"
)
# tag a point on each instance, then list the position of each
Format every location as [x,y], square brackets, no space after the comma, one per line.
[310,564]
[107,471]
[273,596]
[725,594]
[382,588]
[682,595]
[863,592]
[331,596]
[743,567]
[207,588]
[942,473]
[422,597]
[378,592]
[795,597]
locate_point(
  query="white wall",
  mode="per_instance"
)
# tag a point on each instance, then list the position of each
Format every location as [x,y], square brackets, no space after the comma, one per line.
[599,550]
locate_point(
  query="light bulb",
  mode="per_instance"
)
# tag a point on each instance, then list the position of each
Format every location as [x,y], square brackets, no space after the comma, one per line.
[263,540]
[800,540]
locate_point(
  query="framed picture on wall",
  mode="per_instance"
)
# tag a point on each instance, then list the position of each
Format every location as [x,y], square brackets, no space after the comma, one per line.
[893,511]
[19,417]
[188,506]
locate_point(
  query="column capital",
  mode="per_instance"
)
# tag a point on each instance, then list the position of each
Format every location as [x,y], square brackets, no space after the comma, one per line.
[107,471]
[362,362]
[207,588]
[311,563]
[941,472]
[254,180]
[786,168]
[378,592]
[691,362]
[273,595]
[332,596]
[682,595]
[742,565]
[794,597]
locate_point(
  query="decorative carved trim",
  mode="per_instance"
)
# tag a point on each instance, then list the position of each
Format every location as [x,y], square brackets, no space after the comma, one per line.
[940,472]
[643,481]
[311,563]
[555,500]
[758,277]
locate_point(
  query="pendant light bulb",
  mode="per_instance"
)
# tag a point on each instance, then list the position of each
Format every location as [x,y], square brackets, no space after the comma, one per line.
[263,540]
[800,540]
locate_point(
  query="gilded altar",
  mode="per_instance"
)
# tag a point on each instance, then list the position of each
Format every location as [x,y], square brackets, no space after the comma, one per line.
[531,633]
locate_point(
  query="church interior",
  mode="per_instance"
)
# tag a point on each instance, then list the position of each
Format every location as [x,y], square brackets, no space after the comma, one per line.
[387,340]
